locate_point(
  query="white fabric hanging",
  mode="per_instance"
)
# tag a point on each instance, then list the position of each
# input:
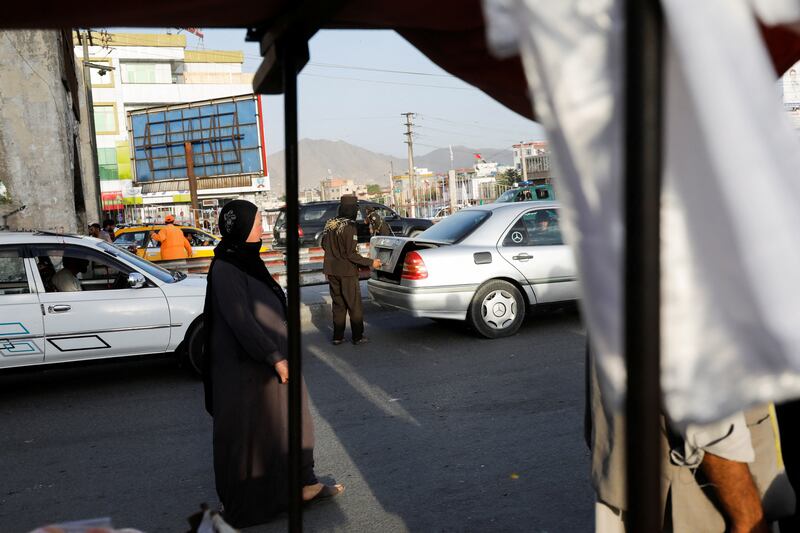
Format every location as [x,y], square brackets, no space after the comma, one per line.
[731,201]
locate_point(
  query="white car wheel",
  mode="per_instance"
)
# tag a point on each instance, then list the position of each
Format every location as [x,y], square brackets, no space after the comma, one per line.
[497,309]
[194,348]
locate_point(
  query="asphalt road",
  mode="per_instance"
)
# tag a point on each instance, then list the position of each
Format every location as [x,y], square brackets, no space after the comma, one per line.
[429,427]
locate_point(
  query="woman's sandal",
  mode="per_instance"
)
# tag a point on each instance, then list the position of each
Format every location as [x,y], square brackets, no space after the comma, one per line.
[327,492]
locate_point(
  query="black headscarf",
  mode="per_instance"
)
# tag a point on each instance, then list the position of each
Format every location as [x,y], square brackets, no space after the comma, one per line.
[235,223]
[348,207]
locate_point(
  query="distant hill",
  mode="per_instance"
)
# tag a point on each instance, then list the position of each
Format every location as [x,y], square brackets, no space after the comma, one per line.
[320,158]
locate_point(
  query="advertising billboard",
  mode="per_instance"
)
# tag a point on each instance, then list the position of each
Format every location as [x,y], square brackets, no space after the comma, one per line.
[226,137]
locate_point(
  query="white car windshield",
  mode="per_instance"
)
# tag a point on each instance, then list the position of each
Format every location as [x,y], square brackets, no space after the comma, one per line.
[156,271]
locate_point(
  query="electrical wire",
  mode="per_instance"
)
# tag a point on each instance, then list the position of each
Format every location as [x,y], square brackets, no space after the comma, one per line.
[388,82]
[468,124]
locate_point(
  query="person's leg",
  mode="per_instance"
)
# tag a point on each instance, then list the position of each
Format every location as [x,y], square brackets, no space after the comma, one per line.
[338,307]
[351,290]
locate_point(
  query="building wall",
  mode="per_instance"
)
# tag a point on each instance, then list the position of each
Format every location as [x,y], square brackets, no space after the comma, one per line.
[40,140]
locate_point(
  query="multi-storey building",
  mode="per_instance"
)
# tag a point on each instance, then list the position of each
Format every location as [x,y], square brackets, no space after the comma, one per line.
[532,160]
[150,70]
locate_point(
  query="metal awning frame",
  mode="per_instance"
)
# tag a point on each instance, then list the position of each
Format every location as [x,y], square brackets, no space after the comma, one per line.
[284,46]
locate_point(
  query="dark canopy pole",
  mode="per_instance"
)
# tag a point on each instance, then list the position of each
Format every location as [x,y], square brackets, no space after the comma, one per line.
[289,52]
[643,128]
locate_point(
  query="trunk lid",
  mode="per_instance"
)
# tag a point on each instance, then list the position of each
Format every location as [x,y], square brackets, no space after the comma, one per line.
[392,253]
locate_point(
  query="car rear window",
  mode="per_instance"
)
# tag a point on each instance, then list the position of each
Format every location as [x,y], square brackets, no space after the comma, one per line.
[317,213]
[455,227]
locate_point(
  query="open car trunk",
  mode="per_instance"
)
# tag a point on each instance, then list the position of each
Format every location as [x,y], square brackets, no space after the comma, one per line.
[392,252]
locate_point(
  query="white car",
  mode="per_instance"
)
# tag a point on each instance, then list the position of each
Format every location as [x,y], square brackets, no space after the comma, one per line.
[70,298]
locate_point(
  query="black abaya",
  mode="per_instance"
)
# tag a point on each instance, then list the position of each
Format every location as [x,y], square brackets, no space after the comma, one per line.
[250,406]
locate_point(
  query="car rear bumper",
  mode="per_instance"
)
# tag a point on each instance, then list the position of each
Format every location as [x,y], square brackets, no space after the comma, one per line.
[451,302]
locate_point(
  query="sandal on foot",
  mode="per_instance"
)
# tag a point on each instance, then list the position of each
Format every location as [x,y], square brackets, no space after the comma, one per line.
[327,492]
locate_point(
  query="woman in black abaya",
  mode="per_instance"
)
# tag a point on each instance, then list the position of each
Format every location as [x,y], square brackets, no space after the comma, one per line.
[245,375]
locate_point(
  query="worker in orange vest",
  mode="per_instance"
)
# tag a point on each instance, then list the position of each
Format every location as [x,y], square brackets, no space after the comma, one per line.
[174,244]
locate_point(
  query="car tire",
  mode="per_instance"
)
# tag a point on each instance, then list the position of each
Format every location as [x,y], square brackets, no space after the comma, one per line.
[194,347]
[497,310]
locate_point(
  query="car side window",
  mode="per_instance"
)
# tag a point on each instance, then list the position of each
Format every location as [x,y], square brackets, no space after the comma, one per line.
[313,213]
[13,278]
[151,242]
[386,213]
[198,238]
[535,228]
[75,268]
[517,235]
[131,238]
[543,227]
[332,212]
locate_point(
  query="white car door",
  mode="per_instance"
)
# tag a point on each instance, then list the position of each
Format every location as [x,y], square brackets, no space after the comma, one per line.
[21,324]
[104,317]
[535,247]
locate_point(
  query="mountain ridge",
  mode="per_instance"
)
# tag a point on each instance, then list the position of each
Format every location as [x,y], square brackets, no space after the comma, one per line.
[319,158]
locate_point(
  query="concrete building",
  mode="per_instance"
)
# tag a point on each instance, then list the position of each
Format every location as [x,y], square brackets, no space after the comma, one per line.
[151,70]
[335,188]
[532,160]
[45,154]
[310,195]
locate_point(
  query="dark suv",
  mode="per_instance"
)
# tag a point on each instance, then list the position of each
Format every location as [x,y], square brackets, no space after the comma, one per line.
[314,215]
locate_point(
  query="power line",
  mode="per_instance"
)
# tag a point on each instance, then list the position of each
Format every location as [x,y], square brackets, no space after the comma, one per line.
[451,132]
[373,69]
[468,124]
[389,82]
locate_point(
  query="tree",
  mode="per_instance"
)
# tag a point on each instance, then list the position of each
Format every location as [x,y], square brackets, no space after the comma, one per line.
[509,177]
[373,189]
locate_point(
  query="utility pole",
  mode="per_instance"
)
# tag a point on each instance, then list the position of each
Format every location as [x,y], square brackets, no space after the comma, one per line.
[192,181]
[410,142]
[87,85]
[393,202]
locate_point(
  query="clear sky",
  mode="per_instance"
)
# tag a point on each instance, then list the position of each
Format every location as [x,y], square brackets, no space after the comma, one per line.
[343,96]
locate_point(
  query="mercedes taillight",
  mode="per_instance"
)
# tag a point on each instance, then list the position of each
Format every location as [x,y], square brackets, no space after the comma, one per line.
[414,267]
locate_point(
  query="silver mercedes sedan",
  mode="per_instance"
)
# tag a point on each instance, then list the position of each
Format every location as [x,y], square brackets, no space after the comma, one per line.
[484,264]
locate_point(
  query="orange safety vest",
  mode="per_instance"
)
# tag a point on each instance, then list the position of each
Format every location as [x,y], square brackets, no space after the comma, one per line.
[174,244]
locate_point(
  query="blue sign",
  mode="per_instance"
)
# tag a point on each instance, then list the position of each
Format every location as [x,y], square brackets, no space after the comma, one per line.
[225,139]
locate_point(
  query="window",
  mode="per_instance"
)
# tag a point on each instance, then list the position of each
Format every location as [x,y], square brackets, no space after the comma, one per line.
[107,161]
[105,119]
[314,213]
[131,238]
[198,238]
[162,274]
[13,279]
[146,73]
[535,228]
[386,213]
[76,268]
[455,227]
